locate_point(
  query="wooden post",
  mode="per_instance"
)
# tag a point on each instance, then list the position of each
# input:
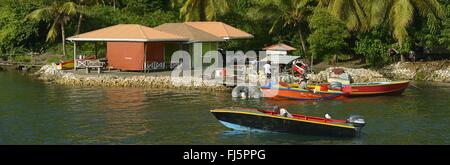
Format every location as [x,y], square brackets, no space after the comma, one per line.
[95,45]
[74,55]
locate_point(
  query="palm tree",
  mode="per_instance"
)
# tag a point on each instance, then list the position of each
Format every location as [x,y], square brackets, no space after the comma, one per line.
[60,14]
[361,15]
[202,10]
[284,13]
[401,14]
[350,11]
[81,10]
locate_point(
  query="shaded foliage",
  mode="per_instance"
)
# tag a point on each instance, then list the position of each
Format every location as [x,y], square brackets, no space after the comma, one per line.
[365,28]
[16,34]
[374,46]
[328,34]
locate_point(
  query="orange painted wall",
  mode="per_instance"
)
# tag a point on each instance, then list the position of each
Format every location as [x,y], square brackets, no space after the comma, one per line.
[126,55]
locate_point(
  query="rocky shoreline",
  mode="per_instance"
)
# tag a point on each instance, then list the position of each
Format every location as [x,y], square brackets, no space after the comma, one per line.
[357,75]
[438,71]
[49,73]
[435,71]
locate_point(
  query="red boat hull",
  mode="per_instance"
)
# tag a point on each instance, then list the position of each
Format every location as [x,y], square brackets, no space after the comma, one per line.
[289,93]
[361,89]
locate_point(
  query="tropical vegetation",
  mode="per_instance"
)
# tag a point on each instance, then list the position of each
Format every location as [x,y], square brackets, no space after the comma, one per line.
[323,30]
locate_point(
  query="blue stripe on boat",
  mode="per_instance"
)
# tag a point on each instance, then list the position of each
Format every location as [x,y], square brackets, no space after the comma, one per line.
[242,128]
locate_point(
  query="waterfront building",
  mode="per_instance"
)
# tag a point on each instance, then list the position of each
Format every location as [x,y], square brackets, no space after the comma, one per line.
[134,47]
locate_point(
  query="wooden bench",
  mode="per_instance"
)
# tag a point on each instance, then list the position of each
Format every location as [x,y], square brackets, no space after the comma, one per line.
[89,64]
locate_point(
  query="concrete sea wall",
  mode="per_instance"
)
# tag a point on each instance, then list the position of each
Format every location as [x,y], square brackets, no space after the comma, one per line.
[49,73]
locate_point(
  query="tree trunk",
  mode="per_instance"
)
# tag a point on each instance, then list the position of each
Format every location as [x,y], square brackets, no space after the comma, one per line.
[202,12]
[79,24]
[335,59]
[63,37]
[114,5]
[302,41]
[402,58]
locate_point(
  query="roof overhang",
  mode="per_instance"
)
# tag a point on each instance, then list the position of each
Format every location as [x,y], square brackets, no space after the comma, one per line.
[124,40]
[237,38]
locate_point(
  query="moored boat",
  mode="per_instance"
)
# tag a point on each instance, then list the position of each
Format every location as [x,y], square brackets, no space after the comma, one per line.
[278,121]
[377,88]
[296,93]
[65,65]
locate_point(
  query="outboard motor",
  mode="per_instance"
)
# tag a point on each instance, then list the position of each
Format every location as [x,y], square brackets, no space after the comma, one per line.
[238,90]
[336,86]
[246,92]
[357,121]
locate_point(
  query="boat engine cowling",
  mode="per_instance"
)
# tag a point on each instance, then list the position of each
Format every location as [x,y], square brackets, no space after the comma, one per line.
[356,120]
[246,92]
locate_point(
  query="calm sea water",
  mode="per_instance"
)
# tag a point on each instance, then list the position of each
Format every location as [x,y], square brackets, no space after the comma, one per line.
[33,112]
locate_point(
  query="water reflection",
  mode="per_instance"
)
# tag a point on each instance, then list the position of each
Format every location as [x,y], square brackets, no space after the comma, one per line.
[124,114]
[35,113]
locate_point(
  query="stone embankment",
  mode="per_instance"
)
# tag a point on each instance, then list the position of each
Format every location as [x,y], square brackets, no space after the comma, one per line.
[423,71]
[437,71]
[357,75]
[49,73]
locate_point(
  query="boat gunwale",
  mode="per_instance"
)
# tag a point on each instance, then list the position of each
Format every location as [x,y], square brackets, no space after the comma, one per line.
[304,90]
[333,96]
[379,83]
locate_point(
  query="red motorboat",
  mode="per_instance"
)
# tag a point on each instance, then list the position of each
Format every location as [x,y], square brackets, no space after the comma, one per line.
[296,93]
[377,88]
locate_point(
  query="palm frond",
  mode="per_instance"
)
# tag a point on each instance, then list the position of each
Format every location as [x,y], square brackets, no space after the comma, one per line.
[429,6]
[40,14]
[323,3]
[400,17]
[53,32]
[376,12]
[210,11]
[69,8]
[271,11]
[274,25]
[187,10]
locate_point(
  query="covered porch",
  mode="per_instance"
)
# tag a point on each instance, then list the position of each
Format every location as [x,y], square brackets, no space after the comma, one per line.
[129,47]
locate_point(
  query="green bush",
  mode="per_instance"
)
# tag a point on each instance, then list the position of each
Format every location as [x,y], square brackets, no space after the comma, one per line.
[374,51]
[15,31]
[54,59]
[21,58]
[374,46]
[328,36]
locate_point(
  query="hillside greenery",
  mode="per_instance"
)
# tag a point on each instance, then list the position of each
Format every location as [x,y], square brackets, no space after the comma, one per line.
[323,29]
